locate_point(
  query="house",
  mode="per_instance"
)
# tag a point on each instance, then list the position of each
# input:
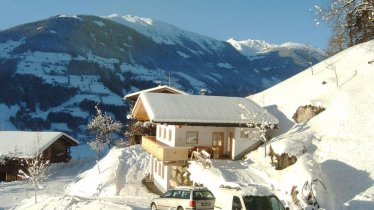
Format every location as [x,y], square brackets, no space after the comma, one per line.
[16,146]
[138,131]
[159,89]
[196,122]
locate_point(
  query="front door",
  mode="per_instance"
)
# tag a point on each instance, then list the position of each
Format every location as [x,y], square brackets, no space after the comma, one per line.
[217,142]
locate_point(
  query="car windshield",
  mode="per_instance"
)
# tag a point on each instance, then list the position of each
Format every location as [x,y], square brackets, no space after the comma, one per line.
[202,195]
[262,203]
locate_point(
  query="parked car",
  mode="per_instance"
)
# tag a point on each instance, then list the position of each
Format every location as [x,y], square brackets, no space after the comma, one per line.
[183,198]
[247,198]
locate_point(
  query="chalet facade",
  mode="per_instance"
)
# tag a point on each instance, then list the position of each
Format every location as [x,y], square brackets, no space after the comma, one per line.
[16,146]
[185,123]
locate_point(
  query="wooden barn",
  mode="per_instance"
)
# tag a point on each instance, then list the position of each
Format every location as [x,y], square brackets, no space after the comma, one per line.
[16,146]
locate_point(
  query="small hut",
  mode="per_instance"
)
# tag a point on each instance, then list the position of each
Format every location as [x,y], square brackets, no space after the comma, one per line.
[16,146]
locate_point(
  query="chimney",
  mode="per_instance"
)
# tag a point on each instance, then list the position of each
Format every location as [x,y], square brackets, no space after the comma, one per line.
[203,92]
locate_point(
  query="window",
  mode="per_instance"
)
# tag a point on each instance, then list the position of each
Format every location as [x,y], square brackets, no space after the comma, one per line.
[275,204]
[244,133]
[176,194]
[262,202]
[169,134]
[185,194]
[162,169]
[164,133]
[202,195]
[236,204]
[217,139]
[167,194]
[192,137]
[159,169]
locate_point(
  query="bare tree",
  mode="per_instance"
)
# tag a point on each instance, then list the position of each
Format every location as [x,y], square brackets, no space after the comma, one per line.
[331,66]
[34,169]
[102,126]
[252,121]
[351,22]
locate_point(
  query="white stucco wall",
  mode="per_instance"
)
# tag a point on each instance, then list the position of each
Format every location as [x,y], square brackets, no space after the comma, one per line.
[161,183]
[205,135]
[177,137]
[241,144]
[170,132]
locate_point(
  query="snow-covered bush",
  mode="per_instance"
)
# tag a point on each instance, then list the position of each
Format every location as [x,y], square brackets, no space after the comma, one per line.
[34,171]
[102,126]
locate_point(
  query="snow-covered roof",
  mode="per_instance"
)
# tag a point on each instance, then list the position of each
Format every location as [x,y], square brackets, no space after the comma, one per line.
[158,89]
[27,144]
[198,109]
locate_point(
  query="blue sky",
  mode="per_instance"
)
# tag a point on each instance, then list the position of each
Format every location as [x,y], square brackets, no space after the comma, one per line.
[275,21]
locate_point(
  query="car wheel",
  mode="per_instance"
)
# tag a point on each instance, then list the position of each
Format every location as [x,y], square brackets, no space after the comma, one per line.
[180,208]
[153,206]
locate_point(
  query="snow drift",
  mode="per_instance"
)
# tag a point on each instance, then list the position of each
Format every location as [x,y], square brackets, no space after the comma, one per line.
[114,175]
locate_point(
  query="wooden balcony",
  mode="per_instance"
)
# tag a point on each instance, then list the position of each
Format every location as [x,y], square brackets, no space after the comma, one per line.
[163,152]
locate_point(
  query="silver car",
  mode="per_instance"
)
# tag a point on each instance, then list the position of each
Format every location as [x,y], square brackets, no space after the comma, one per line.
[181,198]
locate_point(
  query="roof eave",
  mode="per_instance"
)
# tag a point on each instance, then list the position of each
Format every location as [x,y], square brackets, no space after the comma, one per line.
[209,124]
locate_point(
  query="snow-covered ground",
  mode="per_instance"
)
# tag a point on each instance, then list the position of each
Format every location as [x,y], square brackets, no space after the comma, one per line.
[335,146]
[80,185]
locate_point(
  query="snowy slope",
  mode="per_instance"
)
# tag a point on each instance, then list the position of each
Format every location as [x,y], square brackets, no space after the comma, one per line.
[337,144]
[165,33]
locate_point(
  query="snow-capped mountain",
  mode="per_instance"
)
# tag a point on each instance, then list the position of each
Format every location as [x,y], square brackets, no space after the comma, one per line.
[250,47]
[285,60]
[79,61]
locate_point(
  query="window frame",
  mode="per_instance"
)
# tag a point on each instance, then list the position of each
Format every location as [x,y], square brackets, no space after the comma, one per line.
[188,136]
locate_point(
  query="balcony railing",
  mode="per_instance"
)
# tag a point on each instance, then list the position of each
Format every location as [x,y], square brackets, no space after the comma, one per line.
[163,152]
